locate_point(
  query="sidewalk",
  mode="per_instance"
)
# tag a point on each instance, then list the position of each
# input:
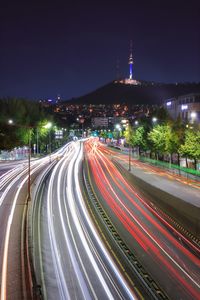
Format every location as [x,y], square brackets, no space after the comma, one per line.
[178,186]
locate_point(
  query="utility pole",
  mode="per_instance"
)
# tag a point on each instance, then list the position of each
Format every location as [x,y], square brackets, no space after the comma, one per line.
[29,166]
[129,157]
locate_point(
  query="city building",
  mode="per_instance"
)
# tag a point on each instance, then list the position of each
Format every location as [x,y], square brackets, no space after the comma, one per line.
[185,106]
[99,122]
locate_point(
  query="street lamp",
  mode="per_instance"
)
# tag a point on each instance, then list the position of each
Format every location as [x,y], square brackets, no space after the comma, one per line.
[29,165]
[193,116]
[129,149]
[154,119]
[10,122]
[118,127]
[81,120]
[126,124]
[48,126]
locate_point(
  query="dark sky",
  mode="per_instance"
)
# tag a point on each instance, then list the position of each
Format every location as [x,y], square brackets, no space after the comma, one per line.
[72,47]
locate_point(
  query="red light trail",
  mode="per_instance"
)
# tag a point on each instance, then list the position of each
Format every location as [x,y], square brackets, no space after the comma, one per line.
[144,225]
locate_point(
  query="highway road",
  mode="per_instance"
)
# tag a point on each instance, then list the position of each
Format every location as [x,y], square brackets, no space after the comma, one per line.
[70,258]
[171,263]
[5,166]
[71,262]
[13,204]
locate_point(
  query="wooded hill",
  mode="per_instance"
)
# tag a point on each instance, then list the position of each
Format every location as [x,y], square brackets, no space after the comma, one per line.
[145,93]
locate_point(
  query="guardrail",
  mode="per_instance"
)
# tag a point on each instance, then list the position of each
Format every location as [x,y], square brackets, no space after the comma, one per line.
[170,166]
[32,216]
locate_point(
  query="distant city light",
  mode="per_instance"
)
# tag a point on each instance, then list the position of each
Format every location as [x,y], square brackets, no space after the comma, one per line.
[136,122]
[10,121]
[184,106]
[169,103]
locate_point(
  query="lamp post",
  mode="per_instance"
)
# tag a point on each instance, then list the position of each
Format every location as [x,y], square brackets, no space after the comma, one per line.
[118,127]
[154,120]
[29,166]
[10,122]
[193,116]
[129,157]
[48,126]
[129,148]
[82,120]
[37,141]
[127,126]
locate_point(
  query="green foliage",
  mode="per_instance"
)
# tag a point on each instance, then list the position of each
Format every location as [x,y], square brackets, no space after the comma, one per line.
[21,111]
[129,135]
[191,146]
[164,139]
[136,137]
[139,138]
[117,133]
[157,137]
[26,116]
[179,127]
[42,129]
[103,134]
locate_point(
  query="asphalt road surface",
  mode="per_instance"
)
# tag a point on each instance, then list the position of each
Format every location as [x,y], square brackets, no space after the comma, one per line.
[74,263]
[167,259]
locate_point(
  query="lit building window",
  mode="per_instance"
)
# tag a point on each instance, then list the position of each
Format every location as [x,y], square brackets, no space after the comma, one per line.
[183,107]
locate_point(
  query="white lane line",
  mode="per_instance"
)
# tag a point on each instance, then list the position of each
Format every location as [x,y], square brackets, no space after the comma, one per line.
[7,236]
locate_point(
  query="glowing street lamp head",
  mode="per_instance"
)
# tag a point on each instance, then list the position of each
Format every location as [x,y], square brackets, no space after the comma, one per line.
[10,122]
[193,115]
[154,119]
[48,125]
[117,126]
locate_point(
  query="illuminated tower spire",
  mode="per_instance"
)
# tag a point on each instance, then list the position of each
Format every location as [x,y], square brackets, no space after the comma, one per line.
[130,62]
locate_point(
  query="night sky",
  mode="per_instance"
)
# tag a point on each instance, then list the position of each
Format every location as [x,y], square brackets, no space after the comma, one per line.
[72,47]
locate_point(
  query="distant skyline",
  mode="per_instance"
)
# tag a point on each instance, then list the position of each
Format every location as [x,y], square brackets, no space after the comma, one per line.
[73,49]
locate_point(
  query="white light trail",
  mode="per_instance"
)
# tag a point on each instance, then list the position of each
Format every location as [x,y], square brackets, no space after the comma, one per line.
[8,229]
[63,289]
[71,202]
